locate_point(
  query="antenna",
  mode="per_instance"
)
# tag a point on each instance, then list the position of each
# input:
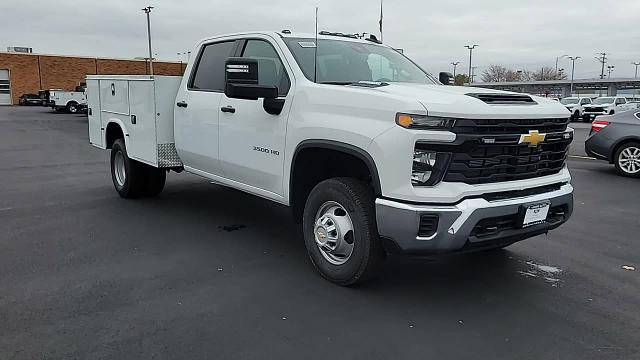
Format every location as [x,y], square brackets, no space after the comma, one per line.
[315,56]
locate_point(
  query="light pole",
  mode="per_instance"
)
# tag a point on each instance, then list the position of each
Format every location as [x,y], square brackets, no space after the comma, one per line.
[610,69]
[147,11]
[455,64]
[470,47]
[573,68]
[637,63]
[558,58]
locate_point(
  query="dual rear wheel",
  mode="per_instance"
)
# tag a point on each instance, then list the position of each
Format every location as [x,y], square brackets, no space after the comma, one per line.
[133,179]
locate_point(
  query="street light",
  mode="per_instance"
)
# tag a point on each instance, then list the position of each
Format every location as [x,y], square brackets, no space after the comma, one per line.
[610,69]
[455,64]
[147,11]
[558,58]
[573,67]
[470,47]
[636,64]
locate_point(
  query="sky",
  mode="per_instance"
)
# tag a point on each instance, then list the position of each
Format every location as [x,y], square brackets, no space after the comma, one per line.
[519,34]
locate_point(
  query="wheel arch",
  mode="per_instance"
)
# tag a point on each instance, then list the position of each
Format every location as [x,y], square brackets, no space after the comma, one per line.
[297,192]
[113,131]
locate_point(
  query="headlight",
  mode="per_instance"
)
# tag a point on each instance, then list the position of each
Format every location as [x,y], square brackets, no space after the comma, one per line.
[425,122]
[428,167]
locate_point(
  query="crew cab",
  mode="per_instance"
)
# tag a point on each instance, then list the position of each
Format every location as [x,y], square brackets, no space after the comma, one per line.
[607,105]
[372,154]
[68,101]
[576,105]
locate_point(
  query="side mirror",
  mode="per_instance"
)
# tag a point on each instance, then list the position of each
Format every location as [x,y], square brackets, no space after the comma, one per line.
[241,80]
[446,78]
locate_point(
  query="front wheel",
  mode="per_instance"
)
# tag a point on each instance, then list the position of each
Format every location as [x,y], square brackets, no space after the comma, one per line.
[627,160]
[340,231]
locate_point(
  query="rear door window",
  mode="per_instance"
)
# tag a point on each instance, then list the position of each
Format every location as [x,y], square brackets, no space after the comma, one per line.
[209,71]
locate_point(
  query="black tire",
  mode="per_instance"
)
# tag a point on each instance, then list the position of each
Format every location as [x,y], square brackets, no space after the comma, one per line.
[612,112]
[616,160]
[586,118]
[135,180]
[72,108]
[367,255]
[156,179]
[576,115]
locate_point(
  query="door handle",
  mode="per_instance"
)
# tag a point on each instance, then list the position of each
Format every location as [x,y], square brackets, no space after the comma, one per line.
[228,109]
[182,104]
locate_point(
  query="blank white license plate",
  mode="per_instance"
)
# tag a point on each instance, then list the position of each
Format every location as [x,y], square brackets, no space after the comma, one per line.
[536,214]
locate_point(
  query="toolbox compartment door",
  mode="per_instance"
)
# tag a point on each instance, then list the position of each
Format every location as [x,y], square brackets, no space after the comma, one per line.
[142,144]
[96,131]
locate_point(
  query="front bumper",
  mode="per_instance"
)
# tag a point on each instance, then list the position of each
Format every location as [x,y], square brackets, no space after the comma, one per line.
[460,226]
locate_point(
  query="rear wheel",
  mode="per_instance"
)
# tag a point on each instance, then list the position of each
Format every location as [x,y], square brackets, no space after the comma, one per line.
[627,160]
[128,175]
[340,231]
[576,115]
[72,108]
[155,181]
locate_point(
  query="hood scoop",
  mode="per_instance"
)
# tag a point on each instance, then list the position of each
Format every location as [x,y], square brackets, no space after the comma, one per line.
[503,99]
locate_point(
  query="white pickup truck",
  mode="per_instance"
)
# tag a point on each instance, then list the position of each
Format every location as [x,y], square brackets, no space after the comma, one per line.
[69,101]
[607,105]
[372,154]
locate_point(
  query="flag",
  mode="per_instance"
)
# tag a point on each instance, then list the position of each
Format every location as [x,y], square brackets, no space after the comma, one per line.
[380,18]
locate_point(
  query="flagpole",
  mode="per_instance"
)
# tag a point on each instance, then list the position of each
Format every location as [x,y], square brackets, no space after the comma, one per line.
[381,38]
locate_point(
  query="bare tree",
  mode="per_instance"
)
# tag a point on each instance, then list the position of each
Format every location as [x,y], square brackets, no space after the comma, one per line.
[498,73]
[547,73]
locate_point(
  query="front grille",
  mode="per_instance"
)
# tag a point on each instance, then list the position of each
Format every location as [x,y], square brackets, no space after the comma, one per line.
[428,225]
[487,163]
[594,109]
[505,126]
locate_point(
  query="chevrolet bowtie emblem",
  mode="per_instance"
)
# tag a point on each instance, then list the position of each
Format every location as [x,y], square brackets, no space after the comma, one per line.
[533,139]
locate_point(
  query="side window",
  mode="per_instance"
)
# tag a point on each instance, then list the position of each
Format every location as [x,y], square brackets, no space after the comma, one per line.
[620,101]
[271,71]
[209,72]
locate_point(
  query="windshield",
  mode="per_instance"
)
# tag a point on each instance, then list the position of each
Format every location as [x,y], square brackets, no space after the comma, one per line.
[344,62]
[603,100]
[569,101]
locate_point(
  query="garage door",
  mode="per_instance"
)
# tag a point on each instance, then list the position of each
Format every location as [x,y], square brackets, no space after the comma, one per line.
[5,88]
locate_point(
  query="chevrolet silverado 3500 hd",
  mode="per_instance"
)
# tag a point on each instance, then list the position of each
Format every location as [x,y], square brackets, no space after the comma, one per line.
[372,154]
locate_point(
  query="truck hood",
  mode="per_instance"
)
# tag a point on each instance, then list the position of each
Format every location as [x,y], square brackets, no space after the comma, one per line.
[454,101]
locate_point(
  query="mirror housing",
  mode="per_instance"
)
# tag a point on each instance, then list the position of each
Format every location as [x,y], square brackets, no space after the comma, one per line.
[241,80]
[446,78]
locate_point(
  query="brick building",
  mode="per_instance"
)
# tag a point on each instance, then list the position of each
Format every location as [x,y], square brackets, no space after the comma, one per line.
[28,73]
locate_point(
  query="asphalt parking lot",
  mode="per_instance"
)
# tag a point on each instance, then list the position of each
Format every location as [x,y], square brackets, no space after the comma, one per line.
[208,272]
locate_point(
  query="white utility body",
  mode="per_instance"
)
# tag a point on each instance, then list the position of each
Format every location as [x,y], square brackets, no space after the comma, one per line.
[142,106]
[372,154]
[67,100]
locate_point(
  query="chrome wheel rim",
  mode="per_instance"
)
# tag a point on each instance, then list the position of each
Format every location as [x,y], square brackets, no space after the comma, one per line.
[629,160]
[72,108]
[119,169]
[333,232]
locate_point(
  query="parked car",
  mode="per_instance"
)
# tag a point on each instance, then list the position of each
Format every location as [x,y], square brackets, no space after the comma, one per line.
[30,99]
[576,105]
[607,105]
[372,154]
[616,138]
